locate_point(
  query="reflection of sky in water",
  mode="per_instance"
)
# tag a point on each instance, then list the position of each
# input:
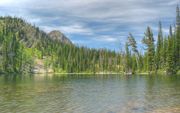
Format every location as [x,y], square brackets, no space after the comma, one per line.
[88,94]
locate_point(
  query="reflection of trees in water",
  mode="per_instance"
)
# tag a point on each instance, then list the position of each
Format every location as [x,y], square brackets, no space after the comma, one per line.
[25,93]
[80,93]
[15,93]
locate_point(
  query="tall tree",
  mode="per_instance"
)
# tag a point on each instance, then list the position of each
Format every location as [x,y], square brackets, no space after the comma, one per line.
[170,64]
[148,40]
[177,39]
[133,44]
[159,50]
[127,59]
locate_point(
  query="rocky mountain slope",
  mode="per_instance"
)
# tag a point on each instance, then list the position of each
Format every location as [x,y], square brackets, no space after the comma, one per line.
[30,35]
[58,36]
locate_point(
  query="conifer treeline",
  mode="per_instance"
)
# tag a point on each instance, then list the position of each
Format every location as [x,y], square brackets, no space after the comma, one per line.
[164,56]
[21,44]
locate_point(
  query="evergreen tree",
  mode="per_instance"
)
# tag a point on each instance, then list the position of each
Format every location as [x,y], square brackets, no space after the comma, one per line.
[127,59]
[177,40]
[148,40]
[170,57]
[159,50]
[133,44]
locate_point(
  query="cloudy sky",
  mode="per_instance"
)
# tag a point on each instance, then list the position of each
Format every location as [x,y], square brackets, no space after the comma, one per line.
[95,23]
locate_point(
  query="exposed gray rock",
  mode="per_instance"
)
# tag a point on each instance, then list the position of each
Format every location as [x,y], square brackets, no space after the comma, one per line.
[57,35]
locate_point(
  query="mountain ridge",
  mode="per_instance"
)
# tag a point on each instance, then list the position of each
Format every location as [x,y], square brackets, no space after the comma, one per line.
[59,36]
[30,34]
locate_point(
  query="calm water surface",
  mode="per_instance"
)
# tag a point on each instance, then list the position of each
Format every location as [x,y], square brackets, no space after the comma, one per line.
[89,94]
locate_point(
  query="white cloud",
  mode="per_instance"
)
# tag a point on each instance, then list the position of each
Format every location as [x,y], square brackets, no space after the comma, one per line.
[112,11]
[12,2]
[108,10]
[105,38]
[5,2]
[104,20]
[70,29]
[76,29]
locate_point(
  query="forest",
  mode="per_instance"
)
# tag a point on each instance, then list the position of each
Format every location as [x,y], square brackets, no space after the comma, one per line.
[22,44]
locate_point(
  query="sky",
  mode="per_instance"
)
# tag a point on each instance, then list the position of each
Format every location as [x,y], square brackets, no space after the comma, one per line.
[95,23]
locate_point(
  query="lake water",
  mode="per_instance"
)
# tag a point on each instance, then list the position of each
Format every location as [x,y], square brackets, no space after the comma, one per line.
[89,94]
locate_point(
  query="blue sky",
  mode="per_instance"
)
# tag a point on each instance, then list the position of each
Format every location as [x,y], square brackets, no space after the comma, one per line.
[95,23]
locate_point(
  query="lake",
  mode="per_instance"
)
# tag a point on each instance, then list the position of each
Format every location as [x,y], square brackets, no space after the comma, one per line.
[89,94]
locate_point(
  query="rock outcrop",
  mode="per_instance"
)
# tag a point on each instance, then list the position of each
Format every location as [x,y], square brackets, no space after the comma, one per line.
[58,36]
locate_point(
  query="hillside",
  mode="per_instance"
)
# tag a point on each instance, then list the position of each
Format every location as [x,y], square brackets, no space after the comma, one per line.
[24,48]
[30,35]
[27,37]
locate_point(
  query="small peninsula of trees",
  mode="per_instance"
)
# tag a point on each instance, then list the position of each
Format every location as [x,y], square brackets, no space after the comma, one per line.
[21,44]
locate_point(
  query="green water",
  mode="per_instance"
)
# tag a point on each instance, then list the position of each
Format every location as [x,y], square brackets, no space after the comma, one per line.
[88,94]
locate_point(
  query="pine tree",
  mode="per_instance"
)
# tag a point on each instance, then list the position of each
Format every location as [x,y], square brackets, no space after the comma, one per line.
[177,40]
[133,44]
[170,57]
[127,59]
[148,40]
[159,50]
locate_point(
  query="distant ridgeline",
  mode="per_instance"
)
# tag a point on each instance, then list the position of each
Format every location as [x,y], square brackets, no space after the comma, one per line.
[26,49]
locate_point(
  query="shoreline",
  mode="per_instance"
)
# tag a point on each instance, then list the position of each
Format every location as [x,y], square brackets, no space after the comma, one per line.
[105,73]
[121,73]
[90,73]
